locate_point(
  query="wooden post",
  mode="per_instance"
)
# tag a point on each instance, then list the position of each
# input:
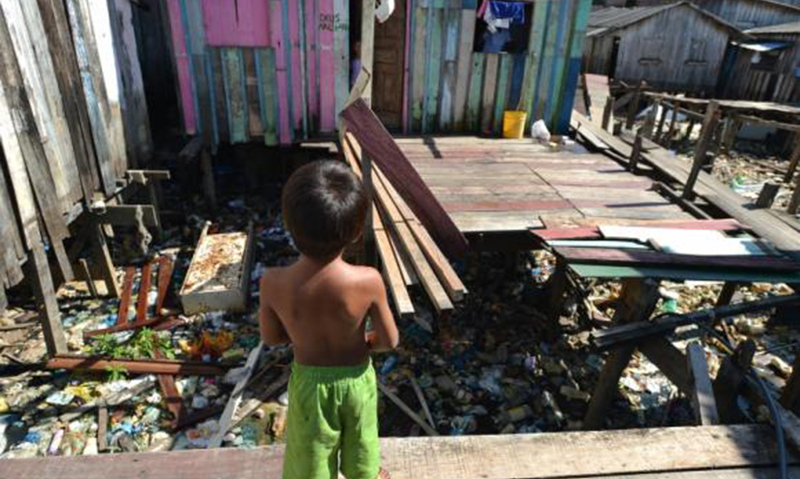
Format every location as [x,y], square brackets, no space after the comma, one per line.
[705,408]
[608,114]
[556,289]
[662,119]
[731,379]
[209,188]
[672,124]
[729,132]
[102,258]
[795,158]
[636,152]
[637,302]
[726,295]
[794,202]
[689,129]
[700,159]
[767,195]
[367,44]
[650,121]
[790,396]
[87,277]
[49,315]
[633,107]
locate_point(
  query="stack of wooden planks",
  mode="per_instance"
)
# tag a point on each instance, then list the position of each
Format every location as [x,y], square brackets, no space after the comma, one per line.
[407,252]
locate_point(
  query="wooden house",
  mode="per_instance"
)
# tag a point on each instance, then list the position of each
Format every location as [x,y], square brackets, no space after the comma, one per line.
[674,47]
[745,14]
[279,71]
[768,67]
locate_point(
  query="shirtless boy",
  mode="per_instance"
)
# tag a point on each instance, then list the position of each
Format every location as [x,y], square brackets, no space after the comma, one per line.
[319,304]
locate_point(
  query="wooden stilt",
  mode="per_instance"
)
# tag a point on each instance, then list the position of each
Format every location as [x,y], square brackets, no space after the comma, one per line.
[670,361]
[636,152]
[633,107]
[767,195]
[730,381]
[794,202]
[86,273]
[672,125]
[661,121]
[557,289]
[726,295]
[650,120]
[49,315]
[637,302]
[608,114]
[794,160]
[102,257]
[703,403]
[700,158]
[209,188]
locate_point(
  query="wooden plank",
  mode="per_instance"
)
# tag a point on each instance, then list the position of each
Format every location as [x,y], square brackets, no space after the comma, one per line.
[367,44]
[532,71]
[127,293]
[503,78]
[465,40]
[404,407]
[59,42]
[546,62]
[278,42]
[703,144]
[144,292]
[418,80]
[269,84]
[433,69]
[166,265]
[713,452]
[489,91]
[236,395]
[449,75]
[564,21]
[252,93]
[46,304]
[233,73]
[379,145]
[473,115]
[102,257]
[702,397]
[652,258]
[151,366]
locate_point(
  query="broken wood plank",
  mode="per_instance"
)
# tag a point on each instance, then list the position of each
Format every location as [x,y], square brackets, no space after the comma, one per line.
[702,397]
[236,396]
[102,258]
[767,195]
[656,258]
[46,303]
[422,401]
[143,295]
[125,215]
[102,428]
[134,366]
[407,410]
[383,150]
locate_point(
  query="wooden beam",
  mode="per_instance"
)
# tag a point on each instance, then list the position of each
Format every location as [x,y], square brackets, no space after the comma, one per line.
[650,119]
[733,452]
[633,107]
[705,408]
[794,202]
[368,44]
[636,152]
[730,382]
[407,410]
[726,295]
[661,121]
[83,266]
[794,160]
[236,396]
[636,303]
[46,303]
[209,188]
[670,361]
[125,215]
[703,144]
[102,257]
[135,366]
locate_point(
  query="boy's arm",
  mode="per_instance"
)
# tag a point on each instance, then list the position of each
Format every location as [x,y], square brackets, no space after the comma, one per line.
[272,331]
[384,335]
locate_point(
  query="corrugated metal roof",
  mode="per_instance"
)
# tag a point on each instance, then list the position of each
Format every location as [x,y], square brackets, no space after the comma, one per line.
[793,27]
[602,20]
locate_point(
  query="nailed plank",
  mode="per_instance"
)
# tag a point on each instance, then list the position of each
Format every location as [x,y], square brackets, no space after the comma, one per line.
[463,68]
[379,145]
[489,91]
[473,115]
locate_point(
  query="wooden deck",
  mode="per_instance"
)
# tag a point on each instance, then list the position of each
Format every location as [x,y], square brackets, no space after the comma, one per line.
[495,185]
[740,452]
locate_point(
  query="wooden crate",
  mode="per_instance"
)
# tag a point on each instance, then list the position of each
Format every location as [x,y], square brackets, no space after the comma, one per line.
[218,278]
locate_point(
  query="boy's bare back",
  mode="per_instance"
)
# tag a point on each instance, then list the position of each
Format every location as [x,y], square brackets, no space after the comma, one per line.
[321,309]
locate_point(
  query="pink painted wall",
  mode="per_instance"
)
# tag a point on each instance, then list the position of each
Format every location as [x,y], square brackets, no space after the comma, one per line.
[236,23]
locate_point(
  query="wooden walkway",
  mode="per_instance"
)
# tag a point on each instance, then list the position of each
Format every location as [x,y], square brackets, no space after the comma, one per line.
[740,452]
[494,185]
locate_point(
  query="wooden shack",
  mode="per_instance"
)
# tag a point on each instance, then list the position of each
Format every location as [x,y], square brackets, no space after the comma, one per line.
[280,71]
[673,47]
[768,67]
[73,120]
[746,14]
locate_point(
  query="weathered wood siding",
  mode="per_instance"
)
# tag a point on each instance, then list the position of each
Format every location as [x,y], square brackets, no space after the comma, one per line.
[280,75]
[72,117]
[677,49]
[781,84]
[597,53]
[451,88]
[746,14]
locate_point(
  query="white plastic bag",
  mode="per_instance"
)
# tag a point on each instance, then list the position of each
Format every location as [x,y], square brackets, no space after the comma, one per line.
[539,131]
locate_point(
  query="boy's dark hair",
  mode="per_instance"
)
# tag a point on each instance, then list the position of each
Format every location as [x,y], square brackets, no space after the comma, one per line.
[324,208]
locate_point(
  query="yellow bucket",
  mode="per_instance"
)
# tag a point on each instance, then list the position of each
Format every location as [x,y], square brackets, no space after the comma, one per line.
[514,124]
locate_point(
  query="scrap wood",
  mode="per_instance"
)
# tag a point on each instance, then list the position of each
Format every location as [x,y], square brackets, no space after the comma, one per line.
[422,401]
[390,266]
[249,406]
[656,258]
[102,428]
[403,407]
[236,396]
[382,149]
[137,366]
[703,403]
[635,332]
[127,293]
[414,250]
[144,292]
[166,265]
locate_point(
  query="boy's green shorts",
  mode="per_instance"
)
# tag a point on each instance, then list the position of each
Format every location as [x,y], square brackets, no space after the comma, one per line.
[332,410]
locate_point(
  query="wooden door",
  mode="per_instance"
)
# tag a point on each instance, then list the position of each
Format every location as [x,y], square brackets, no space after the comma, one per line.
[388,64]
